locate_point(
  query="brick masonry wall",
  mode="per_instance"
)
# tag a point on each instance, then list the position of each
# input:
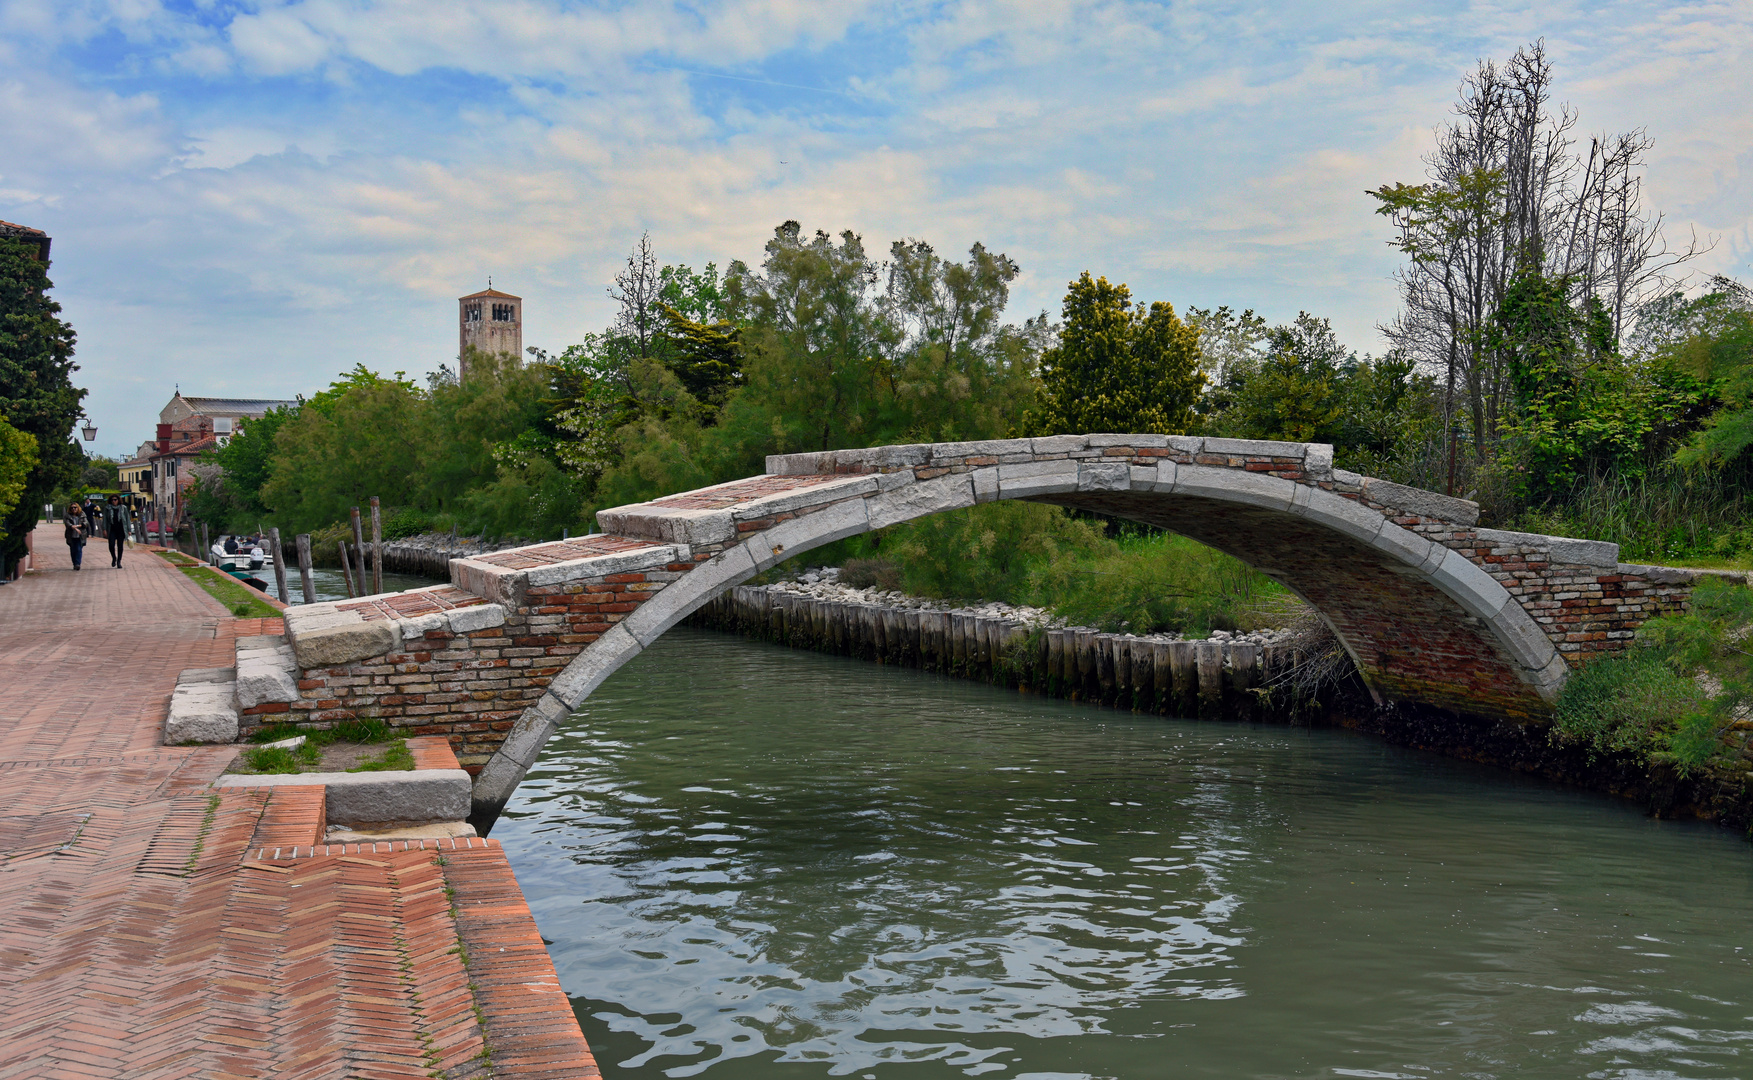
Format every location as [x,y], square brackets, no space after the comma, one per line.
[471,687]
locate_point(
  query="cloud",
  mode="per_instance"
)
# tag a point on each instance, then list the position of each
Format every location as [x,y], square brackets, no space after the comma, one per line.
[299,186]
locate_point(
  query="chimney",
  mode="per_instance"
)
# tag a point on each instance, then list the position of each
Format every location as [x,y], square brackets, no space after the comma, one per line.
[164,438]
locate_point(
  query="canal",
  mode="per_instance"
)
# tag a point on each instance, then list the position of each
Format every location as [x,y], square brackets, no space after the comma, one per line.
[329,584]
[755,862]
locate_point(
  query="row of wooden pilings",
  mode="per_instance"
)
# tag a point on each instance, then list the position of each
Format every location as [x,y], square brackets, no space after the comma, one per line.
[1173,678]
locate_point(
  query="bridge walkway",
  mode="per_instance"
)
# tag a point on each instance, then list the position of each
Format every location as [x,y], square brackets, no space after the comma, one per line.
[150,927]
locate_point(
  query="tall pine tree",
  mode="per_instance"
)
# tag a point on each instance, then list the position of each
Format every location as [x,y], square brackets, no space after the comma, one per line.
[1118,367]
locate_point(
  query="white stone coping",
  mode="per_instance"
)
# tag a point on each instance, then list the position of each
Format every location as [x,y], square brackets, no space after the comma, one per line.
[682,525]
[1317,458]
[1560,549]
[323,635]
[203,707]
[375,797]
[507,586]
[267,671]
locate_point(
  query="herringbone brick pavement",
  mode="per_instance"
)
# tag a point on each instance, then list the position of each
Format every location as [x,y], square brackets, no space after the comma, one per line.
[148,928]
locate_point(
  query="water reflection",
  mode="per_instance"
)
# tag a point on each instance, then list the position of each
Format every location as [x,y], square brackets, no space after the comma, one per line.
[754,862]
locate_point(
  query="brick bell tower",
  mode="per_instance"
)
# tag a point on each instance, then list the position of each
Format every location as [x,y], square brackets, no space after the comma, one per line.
[492,322]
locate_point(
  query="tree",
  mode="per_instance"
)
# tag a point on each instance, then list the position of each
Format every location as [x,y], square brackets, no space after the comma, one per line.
[245,462]
[706,357]
[37,395]
[814,345]
[1503,181]
[637,289]
[954,371]
[1294,392]
[347,443]
[1227,339]
[1117,367]
[1717,344]
[820,347]
[18,458]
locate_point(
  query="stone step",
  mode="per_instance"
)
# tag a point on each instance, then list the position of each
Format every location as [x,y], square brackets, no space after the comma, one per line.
[203,707]
[266,671]
[432,795]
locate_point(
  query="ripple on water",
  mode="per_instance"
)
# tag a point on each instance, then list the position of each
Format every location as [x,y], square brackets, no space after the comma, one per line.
[757,862]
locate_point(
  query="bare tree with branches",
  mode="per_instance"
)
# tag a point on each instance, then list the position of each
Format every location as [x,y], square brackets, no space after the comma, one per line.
[1504,190]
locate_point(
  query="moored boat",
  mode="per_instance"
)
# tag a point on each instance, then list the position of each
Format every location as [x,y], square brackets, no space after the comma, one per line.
[240,553]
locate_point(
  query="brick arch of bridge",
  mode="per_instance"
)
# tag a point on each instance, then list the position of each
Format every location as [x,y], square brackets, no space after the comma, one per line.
[1434,609]
[1395,571]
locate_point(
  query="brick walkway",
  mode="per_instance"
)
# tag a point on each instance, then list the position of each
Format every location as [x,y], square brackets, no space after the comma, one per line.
[149,926]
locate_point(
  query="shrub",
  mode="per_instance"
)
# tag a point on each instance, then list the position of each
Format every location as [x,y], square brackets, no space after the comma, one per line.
[405,522]
[1625,705]
[1142,581]
[1652,702]
[868,573]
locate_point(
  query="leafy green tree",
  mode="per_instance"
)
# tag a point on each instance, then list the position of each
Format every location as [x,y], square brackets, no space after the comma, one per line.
[37,395]
[99,473]
[428,449]
[1718,346]
[1227,340]
[1295,392]
[707,358]
[813,346]
[347,443]
[18,458]
[245,462]
[1117,367]
[955,371]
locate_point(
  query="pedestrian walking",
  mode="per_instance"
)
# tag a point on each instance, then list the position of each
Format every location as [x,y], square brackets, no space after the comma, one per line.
[115,527]
[73,527]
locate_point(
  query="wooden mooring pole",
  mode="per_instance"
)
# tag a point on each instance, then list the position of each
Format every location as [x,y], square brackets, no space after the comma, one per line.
[279,565]
[310,589]
[359,549]
[346,570]
[376,547]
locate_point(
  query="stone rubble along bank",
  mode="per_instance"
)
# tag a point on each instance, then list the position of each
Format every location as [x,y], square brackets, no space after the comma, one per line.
[1221,677]
[823,583]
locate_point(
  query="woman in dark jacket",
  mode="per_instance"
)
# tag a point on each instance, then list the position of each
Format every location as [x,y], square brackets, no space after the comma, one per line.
[115,528]
[73,526]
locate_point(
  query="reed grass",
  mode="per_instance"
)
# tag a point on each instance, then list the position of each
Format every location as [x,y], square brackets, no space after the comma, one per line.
[1661,514]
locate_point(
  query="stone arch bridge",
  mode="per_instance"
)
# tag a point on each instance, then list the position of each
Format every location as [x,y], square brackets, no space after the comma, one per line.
[1434,610]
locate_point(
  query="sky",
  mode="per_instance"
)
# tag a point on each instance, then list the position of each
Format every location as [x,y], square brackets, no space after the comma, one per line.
[248,198]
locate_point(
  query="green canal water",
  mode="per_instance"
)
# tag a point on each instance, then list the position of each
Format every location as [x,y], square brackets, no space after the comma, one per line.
[754,862]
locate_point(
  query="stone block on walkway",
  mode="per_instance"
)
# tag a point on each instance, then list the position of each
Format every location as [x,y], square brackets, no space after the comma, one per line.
[203,707]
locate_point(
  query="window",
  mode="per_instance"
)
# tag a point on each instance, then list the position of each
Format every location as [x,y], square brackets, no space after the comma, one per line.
[502,313]
[472,312]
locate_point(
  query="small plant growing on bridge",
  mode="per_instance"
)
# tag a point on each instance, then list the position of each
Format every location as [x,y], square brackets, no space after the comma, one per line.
[1671,699]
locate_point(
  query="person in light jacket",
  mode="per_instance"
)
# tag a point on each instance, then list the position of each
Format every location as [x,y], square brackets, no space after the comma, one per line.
[73,528]
[115,527]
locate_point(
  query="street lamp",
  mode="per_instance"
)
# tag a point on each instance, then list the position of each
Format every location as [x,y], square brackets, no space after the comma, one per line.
[89,430]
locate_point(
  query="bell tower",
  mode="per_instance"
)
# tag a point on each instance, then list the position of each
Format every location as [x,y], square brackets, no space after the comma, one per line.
[490,321]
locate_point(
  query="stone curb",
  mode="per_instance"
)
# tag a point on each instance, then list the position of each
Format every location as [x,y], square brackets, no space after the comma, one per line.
[376,798]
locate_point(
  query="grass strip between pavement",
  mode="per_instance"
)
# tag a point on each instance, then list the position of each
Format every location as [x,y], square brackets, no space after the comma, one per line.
[238,598]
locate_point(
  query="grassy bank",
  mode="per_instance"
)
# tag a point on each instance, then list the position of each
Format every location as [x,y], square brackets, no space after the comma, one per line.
[238,598]
[1120,577]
